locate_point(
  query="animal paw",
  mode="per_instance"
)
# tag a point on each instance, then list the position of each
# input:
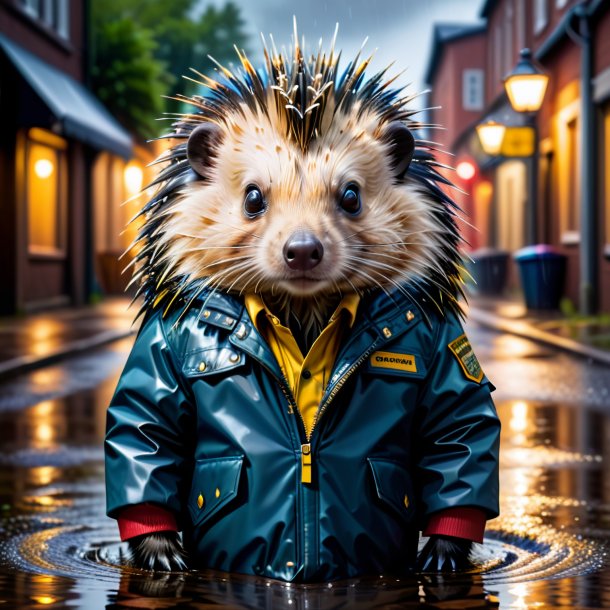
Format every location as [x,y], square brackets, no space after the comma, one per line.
[445,554]
[161,551]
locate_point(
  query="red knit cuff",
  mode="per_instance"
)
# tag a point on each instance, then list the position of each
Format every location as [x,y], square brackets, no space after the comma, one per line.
[142,519]
[460,522]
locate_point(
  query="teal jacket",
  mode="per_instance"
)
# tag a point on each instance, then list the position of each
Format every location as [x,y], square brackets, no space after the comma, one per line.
[203,424]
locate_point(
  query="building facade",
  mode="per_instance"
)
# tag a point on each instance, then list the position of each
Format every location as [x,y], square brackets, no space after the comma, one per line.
[53,133]
[570,209]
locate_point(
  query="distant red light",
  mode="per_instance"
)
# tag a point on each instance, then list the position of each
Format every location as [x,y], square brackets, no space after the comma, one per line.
[465,170]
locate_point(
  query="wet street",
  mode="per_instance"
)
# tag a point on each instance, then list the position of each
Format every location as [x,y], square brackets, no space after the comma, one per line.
[547,550]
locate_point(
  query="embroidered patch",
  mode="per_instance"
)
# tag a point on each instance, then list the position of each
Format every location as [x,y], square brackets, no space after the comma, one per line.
[462,350]
[398,362]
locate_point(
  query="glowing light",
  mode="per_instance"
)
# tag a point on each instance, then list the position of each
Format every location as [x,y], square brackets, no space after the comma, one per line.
[491,135]
[526,84]
[518,422]
[44,433]
[43,168]
[133,176]
[465,170]
[45,600]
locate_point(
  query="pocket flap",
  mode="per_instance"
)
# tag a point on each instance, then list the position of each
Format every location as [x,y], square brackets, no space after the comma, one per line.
[212,361]
[393,485]
[215,484]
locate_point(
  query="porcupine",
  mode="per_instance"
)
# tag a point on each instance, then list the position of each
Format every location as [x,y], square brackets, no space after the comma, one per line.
[301,184]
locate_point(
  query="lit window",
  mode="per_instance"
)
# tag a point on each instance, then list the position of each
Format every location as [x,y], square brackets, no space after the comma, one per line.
[541,15]
[45,190]
[569,184]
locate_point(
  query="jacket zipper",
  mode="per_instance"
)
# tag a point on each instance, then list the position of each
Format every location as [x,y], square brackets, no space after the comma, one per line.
[306,457]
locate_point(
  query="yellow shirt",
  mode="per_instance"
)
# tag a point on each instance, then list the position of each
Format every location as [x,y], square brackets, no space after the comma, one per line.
[307,375]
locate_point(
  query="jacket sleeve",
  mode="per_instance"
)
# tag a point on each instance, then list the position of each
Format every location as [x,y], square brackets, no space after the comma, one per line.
[458,432]
[148,427]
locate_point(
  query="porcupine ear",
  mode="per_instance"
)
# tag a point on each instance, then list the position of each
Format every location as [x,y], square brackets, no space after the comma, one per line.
[402,146]
[202,145]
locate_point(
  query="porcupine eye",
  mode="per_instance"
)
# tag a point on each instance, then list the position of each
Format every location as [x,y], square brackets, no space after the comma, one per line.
[350,200]
[254,203]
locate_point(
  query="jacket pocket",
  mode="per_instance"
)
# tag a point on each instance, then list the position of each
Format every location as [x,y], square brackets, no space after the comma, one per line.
[393,486]
[215,485]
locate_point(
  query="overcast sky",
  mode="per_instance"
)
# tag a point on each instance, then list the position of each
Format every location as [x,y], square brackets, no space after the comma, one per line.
[399,30]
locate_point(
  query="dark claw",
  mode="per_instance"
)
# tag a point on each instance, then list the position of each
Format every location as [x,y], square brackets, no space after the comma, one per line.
[161,551]
[448,554]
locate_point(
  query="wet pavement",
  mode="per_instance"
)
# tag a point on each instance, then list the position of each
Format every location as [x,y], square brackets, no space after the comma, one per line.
[547,550]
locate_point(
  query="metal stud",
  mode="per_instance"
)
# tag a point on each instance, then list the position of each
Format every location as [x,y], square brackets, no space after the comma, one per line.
[241,332]
[406,501]
[217,493]
[387,333]
[409,315]
[200,501]
[206,313]
[234,358]
[202,366]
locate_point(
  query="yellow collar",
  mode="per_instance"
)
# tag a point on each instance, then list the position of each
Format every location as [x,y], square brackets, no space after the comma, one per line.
[255,305]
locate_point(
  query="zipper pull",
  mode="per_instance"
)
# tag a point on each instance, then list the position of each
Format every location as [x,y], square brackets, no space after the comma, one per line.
[306,463]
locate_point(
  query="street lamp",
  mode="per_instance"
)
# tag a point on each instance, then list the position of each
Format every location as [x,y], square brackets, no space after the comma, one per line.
[525,87]
[526,84]
[491,135]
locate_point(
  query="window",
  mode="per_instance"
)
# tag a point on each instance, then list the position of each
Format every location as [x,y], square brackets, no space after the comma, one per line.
[45,191]
[572,215]
[472,89]
[541,15]
[54,14]
[568,174]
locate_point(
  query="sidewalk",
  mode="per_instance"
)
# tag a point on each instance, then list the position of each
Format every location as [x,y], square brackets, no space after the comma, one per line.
[37,340]
[586,337]
[40,339]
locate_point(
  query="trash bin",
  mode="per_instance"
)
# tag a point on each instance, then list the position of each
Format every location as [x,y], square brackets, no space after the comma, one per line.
[489,270]
[543,270]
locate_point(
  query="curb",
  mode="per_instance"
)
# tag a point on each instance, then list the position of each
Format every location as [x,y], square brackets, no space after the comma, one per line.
[22,364]
[527,331]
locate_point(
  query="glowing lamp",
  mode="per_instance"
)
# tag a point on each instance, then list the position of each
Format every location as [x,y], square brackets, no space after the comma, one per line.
[133,178]
[491,135]
[465,170]
[526,84]
[43,168]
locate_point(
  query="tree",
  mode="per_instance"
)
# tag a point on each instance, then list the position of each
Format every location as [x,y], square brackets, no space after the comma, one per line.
[143,47]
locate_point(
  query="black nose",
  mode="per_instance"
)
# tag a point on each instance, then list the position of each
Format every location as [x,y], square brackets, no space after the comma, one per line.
[303,251]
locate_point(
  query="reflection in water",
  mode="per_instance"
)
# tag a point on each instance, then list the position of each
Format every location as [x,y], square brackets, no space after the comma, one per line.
[58,548]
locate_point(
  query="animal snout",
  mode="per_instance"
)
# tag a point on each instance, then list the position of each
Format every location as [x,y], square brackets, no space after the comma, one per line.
[303,251]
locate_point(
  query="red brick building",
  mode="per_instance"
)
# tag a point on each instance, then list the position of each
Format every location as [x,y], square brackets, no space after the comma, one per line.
[571,209]
[51,135]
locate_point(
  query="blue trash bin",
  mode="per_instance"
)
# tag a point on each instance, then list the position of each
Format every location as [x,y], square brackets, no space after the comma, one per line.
[543,272]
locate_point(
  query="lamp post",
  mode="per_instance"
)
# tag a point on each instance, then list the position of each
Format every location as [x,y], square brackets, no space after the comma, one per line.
[525,87]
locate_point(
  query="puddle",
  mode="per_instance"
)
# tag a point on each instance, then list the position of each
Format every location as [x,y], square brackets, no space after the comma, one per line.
[547,550]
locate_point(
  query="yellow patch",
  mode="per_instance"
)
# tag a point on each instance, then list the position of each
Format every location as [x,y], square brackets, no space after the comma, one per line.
[398,362]
[464,353]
